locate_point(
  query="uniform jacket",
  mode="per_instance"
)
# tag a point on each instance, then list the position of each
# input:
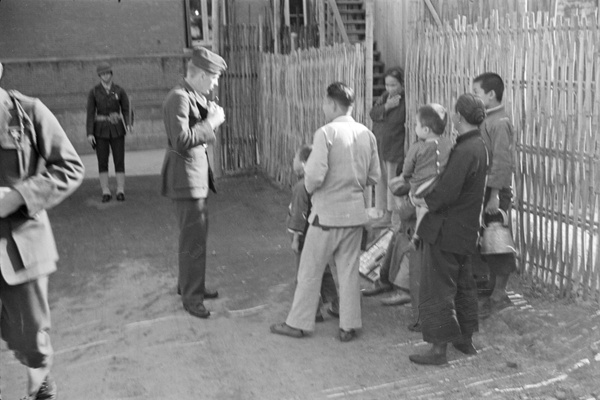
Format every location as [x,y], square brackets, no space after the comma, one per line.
[456,202]
[185,170]
[37,160]
[103,104]
[342,163]
[389,129]
[497,132]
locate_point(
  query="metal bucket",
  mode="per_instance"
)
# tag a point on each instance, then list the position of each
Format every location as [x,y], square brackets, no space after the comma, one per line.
[497,237]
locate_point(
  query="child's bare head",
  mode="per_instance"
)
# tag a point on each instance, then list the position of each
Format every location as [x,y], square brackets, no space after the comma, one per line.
[300,158]
[434,117]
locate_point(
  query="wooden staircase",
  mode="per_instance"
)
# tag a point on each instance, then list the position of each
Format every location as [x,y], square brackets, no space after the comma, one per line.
[352,13]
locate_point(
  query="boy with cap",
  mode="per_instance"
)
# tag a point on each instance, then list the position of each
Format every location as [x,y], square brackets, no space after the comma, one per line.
[30,137]
[108,120]
[190,122]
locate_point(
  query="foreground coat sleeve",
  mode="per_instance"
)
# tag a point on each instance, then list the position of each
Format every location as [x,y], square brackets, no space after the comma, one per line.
[181,135]
[317,164]
[63,171]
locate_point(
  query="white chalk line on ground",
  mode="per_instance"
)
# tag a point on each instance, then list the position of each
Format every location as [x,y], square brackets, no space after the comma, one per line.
[537,385]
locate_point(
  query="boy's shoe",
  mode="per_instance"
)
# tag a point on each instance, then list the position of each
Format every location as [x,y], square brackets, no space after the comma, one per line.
[319,317]
[378,288]
[397,299]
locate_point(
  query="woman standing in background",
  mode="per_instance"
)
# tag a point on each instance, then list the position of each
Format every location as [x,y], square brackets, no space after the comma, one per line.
[388,116]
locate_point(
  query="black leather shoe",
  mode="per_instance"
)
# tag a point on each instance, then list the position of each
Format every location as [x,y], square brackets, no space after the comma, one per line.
[121,196]
[286,330]
[48,390]
[466,348]
[346,336]
[197,311]
[210,294]
[106,198]
[428,359]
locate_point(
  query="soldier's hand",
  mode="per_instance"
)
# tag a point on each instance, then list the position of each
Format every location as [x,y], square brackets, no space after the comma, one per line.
[10,201]
[92,140]
[216,115]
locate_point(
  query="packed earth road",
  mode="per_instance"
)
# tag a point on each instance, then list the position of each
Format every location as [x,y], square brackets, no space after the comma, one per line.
[120,332]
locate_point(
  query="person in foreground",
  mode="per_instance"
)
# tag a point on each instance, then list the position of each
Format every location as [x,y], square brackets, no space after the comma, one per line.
[343,162]
[190,122]
[39,168]
[449,233]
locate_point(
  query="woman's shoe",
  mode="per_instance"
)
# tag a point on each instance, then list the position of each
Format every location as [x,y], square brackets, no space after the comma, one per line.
[120,196]
[106,198]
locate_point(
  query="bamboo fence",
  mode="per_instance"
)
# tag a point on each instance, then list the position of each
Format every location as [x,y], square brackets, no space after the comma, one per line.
[241,47]
[292,88]
[551,69]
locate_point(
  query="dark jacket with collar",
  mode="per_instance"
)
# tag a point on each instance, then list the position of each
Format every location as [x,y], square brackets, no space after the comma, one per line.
[38,161]
[455,204]
[103,103]
[185,170]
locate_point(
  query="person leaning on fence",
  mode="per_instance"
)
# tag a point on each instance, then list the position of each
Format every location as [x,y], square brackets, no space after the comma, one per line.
[449,232]
[297,225]
[39,168]
[389,116]
[190,123]
[342,164]
[108,120]
[498,133]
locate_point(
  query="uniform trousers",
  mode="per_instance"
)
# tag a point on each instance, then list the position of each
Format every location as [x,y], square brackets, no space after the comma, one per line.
[322,245]
[448,296]
[25,321]
[103,148]
[192,216]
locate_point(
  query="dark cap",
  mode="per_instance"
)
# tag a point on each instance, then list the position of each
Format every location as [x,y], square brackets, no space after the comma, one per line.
[103,67]
[208,61]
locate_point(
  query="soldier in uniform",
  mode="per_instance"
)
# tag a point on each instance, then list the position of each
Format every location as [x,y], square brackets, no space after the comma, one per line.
[190,122]
[108,120]
[38,169]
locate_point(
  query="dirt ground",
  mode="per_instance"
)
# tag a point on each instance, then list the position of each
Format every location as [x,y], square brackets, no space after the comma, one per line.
[120,332]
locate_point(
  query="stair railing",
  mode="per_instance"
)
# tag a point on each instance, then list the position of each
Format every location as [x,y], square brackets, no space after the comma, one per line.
[331,26]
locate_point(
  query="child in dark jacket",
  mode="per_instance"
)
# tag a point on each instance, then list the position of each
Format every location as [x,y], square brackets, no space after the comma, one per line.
[297,224]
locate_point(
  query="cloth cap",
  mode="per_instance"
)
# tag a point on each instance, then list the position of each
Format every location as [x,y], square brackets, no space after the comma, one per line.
[103,67]
[208,61]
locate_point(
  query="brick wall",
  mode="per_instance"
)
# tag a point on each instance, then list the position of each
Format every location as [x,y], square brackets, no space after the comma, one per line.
[50,49]
[66,28]
[63,85]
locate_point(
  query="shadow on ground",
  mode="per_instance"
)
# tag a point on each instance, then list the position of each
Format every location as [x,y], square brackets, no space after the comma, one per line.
[120,333]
